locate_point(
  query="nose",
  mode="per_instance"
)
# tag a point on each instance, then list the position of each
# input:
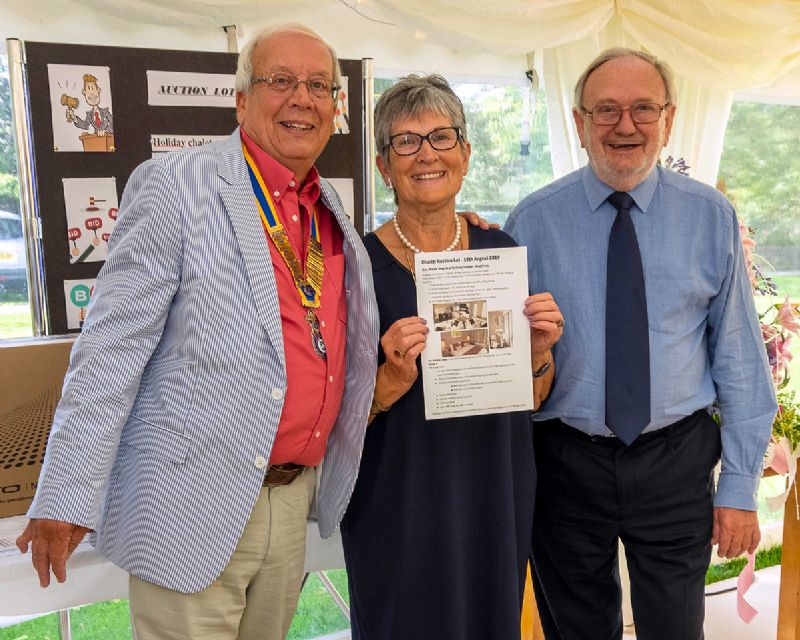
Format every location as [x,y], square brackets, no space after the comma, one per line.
[626,125]
[300,95]
[426,152]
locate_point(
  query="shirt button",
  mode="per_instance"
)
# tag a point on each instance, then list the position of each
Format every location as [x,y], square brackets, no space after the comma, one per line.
[260,462]
[322,323]
[330,378]
[292,183]
[277,394]
[317,434]
[276,194]
[294,218]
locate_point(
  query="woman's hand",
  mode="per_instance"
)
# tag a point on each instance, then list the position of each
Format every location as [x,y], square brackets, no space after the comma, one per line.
[546,322]
[401,343]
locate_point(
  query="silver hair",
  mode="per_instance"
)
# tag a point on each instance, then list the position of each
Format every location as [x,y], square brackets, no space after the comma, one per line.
[411,97]
[244,68]
[662,67]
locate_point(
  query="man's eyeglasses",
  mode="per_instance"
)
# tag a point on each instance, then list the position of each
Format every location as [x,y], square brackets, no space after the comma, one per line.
[641,113]
[442,139]
[285,82]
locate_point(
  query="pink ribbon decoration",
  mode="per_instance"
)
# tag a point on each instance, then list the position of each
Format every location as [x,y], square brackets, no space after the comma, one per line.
[780,463]
[745,610]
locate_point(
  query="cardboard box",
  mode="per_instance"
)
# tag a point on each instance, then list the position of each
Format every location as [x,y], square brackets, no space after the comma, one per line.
[31,376]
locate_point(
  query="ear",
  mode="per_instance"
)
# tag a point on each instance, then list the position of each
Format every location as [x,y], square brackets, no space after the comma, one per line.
[384,169]
[241,106]
[669,116]
[467,151]
[579,125]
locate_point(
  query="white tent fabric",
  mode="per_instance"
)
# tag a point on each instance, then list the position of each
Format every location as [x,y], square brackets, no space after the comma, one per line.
[715,46]
[726,44]
[698,130]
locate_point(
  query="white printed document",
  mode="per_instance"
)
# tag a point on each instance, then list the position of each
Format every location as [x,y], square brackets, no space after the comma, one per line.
[478,356]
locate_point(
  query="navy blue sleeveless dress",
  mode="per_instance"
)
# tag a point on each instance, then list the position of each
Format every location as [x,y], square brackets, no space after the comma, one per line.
[438,531]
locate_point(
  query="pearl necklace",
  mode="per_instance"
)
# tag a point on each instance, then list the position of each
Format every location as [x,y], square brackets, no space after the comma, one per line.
[408,244]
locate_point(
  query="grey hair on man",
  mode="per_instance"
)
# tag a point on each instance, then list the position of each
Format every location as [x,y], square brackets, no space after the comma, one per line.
[664,70]
[244,67]
[412,97]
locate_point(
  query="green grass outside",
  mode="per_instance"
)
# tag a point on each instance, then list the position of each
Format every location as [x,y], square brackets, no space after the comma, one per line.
[317,615]
[788,285]
[15,319]
[765,558]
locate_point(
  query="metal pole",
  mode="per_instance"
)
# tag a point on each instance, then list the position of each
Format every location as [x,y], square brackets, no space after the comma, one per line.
[368,109]
[337,598]
[31,223]
[233,43]
[64,629]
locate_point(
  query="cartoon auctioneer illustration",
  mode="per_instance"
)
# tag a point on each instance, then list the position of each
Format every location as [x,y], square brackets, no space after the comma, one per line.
[97,123]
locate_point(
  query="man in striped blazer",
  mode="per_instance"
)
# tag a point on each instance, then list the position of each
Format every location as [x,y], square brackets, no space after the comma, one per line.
[211,379]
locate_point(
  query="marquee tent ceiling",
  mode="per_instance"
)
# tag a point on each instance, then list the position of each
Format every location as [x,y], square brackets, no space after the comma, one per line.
[724,44]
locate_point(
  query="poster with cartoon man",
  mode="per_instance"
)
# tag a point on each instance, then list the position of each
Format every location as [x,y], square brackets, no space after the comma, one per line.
[91,205]
[81,110]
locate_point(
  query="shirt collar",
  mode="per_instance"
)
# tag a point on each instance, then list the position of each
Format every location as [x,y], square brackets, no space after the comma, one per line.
[598,191]
[277,178]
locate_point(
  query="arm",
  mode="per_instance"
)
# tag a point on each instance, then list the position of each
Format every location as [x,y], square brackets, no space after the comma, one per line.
[746,399]
[81,124]
[547,325]
[129,308]
[402,343]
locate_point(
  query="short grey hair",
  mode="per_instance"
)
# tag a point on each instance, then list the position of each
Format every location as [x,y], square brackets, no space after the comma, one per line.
[664,70]
[244,68]
[411,97]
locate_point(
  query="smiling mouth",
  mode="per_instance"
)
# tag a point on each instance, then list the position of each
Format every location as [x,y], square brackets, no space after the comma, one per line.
[297,126]
[629,145]
[429,176]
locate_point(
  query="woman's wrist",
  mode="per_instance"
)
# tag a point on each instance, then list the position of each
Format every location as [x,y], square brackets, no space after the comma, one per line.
[540,363]
[386,392]
[377,407]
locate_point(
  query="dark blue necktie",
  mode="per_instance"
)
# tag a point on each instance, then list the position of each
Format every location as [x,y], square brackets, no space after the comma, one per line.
[627,337]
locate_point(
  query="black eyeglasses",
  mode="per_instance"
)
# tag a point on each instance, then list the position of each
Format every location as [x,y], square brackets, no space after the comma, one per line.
[641,113]
[319,87]
[442,139]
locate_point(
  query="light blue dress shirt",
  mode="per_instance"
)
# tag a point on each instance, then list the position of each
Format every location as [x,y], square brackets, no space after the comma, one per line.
[705,339]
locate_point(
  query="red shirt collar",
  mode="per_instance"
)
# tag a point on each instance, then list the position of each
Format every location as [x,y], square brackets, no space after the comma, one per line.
[279,178]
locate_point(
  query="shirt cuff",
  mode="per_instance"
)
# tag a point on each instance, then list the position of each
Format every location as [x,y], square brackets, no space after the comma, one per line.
[737,492]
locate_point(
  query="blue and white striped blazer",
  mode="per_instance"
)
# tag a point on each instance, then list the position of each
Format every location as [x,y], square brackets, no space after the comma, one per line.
[176,384]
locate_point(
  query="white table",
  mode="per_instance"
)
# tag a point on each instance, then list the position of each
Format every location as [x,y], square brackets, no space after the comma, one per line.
[92,578]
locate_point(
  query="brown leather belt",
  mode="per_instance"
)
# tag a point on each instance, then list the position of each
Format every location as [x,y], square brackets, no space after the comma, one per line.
[280,474]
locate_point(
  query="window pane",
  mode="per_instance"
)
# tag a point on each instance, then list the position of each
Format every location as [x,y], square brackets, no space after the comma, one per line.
[506,163]
[761,168]
[15,317]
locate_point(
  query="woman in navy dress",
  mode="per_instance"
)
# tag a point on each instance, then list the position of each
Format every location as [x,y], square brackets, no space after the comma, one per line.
[438,531]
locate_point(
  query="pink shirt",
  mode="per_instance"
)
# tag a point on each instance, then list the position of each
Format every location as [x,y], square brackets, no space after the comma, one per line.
[314,386]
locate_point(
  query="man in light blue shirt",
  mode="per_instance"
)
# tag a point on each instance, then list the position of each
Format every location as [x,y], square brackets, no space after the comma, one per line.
[656,493]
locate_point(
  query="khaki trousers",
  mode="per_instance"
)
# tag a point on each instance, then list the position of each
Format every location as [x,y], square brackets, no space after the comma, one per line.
[256,595]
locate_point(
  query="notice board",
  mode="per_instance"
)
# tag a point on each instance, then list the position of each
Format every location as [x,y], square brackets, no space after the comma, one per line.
[96,112]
